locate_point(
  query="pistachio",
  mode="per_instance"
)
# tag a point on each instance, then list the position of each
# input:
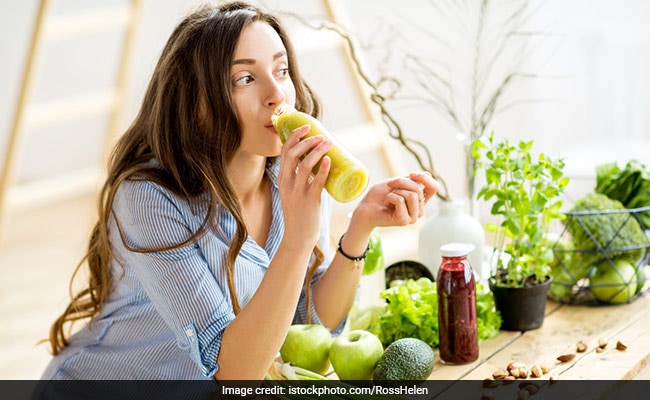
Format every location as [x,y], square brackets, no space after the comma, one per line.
[536,371]
[514,372]
[515,364]
[602,343]
[545,368]
[508,379]
[499,374]
[566,357]
[523,372]
[581,347]
[620,346]
[599,350]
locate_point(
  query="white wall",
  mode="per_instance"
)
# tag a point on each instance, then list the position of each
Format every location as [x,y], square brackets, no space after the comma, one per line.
[602,97]
[593,80]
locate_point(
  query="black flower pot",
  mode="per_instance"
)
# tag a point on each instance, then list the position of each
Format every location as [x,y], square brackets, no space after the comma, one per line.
[522,309]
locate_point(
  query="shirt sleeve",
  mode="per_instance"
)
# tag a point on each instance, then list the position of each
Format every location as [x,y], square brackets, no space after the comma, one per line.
[178,281]
[325,245]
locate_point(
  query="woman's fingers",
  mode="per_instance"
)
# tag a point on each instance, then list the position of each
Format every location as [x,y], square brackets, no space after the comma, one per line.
[430,185]
[296,135]
[412,202]
[397,203]
[409,195]
[301,155]
[323,171]
[313,156]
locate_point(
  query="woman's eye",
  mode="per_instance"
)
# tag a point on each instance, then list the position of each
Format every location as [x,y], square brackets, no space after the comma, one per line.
[244,80]
[283,72]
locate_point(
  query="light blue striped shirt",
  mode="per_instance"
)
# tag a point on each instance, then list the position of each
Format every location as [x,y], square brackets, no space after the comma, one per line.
[166,311]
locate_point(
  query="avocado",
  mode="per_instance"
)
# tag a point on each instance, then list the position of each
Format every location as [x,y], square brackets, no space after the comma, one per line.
[405,359]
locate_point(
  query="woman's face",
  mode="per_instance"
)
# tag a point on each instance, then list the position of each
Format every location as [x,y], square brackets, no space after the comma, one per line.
[260,83]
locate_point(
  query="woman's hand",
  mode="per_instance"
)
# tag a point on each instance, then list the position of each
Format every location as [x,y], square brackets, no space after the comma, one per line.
[396,201]
[300,189]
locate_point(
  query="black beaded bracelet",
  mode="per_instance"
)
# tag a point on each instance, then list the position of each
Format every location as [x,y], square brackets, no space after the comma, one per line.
[356,260]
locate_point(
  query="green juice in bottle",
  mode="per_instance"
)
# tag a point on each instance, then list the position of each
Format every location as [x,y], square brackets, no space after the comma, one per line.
[347,177]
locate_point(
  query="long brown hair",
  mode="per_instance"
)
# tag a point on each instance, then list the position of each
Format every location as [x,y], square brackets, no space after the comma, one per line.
[191,79]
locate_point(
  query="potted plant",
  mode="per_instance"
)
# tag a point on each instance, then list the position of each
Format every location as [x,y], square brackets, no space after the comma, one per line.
[526,195]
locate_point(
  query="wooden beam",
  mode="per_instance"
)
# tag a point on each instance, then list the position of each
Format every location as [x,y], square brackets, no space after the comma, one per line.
[122,77]
[336,11]
[25,91]
[72,107]
[56,188]
[70,25]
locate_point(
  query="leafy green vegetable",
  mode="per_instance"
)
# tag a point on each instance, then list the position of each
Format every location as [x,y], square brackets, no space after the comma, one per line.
[412,311]
[630,186]
[487,318]
[602,226]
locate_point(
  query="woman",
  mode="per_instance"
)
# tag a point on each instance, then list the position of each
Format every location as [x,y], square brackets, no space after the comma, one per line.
[209,228]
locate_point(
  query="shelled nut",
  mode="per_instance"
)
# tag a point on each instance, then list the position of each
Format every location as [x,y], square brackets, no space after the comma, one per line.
[515,364]
[581,346]
[545,368]
[499,374]
[523,372]
[602,343]
[566,357]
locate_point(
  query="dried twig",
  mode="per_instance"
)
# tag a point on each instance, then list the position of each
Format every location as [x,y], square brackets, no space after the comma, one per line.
[416,148]
[495,34]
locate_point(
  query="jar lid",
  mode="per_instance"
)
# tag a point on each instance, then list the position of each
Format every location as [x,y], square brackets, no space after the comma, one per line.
[456,249]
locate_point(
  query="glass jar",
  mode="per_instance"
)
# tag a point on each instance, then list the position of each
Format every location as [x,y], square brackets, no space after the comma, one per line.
[348,177]
[457,305]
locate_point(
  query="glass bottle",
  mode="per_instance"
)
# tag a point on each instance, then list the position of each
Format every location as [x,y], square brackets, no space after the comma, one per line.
[348,177]
[457,305]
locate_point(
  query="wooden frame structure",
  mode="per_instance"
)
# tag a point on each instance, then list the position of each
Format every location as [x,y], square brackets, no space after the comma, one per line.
[46,29]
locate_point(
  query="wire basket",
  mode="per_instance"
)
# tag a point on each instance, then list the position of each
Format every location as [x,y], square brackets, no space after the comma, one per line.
[610,265]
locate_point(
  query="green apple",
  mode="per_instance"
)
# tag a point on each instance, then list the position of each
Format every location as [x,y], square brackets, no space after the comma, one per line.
[640,278]
[355,354]
[614,283]
[366,318]
[307,346]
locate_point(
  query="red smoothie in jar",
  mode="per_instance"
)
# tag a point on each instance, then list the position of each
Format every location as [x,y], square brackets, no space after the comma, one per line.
[457,305]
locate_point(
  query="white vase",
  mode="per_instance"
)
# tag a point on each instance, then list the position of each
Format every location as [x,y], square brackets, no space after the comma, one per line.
[452,223]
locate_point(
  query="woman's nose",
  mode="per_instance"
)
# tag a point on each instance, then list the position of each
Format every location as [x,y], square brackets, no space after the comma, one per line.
[276,95]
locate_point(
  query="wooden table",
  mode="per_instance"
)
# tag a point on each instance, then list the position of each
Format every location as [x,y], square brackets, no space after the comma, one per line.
[563,327]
